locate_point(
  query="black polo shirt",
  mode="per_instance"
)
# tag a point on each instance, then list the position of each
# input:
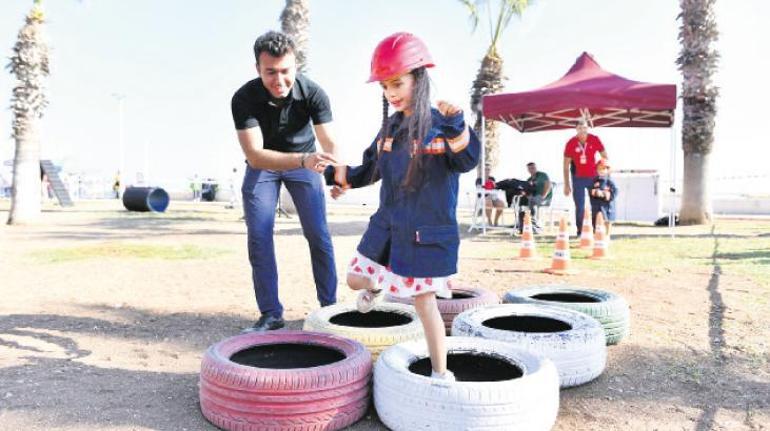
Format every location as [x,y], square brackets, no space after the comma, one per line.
[285,124]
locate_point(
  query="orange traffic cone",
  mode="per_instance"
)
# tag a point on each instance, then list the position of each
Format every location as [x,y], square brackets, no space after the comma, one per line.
[527,249]
[601,240]
[561,256]
[586,237]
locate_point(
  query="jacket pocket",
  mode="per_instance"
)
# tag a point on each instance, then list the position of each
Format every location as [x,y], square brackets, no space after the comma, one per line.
[435,250]
[437,235]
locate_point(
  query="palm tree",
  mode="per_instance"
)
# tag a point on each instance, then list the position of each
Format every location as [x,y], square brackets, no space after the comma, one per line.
[489,79]
[295,21]
[29,64]
[698,62]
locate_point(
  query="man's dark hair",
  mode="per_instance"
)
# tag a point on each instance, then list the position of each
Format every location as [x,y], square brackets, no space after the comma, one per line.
[274,43]
[531,164]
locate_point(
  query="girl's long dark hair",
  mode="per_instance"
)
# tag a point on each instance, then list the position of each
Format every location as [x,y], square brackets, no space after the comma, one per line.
[415,126]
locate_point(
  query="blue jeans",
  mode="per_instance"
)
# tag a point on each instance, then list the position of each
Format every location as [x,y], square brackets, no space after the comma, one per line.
[260,197]
[580,188]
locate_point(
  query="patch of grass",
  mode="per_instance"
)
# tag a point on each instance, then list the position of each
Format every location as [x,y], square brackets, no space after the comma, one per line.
[127,251]
[738,247]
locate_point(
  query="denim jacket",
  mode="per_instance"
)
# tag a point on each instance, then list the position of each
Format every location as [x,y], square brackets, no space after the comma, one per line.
[414,231]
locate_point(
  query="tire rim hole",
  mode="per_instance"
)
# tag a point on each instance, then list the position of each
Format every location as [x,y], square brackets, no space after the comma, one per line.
[536,324]
[564,297]
[472,367]
[372,319]
[286,356]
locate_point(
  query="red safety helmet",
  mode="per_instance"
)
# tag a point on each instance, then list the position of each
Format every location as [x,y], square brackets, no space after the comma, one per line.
[398,54]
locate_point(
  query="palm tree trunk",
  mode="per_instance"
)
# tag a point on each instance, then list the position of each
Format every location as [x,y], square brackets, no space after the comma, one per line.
[696,198]
[698,62]
[489,80]
[295,21]
[25,204]
[30,66]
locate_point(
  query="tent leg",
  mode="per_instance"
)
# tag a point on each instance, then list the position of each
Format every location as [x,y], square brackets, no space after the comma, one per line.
[483,174]
[672,209]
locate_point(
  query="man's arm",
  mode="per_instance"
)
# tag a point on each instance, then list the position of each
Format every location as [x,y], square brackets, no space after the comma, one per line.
[325,138]
[260,158]
[546,188]
[567,187]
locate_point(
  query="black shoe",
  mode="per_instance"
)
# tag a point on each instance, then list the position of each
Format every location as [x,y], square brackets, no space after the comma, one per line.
[266,323]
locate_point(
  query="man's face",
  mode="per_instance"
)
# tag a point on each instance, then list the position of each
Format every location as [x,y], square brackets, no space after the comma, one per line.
[277,73]
[532,169]
[582,132]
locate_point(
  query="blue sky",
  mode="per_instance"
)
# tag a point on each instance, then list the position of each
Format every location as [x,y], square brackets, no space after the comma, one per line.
[179,62]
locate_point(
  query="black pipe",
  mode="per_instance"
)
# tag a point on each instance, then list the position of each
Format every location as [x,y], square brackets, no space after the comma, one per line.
[145,199]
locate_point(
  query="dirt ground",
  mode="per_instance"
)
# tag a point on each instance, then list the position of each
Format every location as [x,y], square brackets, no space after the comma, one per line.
[109,341]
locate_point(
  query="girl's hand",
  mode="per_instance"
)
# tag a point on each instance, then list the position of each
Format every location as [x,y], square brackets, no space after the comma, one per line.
[447,109]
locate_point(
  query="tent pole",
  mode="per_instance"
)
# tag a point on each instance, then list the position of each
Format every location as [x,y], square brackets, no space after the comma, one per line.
[483,174]
[672,157]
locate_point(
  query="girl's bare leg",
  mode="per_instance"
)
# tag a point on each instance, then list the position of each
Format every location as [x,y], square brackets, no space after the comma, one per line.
[607,227]
[435,332]
[357,282]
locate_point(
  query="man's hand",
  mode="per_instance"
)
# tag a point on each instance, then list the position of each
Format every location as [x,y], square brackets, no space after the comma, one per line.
[567,190]
[447,109]
[319,161]
[337,191]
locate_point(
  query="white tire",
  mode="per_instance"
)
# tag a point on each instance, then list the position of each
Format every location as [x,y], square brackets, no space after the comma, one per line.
[575,343]
[610,309]
[406,401]
[376,339]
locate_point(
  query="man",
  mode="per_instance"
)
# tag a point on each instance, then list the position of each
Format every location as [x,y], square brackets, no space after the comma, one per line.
[278,117]
[539,192]
[580,167]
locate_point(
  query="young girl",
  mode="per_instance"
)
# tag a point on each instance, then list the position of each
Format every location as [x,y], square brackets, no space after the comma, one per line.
[410,247]
[603,193]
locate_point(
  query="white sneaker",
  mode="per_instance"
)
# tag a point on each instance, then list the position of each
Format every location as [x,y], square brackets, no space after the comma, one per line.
[367,300]
[447,376]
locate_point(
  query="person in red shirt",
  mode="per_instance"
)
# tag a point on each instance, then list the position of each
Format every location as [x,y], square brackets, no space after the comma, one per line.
[580,167]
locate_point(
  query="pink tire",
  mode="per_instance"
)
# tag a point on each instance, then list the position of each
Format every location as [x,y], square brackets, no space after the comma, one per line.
[298,381]
[463,298]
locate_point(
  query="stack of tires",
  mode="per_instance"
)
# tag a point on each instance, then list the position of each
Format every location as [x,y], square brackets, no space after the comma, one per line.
[510,361]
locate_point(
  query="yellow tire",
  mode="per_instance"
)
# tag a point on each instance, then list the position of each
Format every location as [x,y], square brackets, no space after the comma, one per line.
[387,324]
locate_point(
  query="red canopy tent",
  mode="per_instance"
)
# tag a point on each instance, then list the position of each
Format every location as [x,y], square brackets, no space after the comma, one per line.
[586,91]
[590,92]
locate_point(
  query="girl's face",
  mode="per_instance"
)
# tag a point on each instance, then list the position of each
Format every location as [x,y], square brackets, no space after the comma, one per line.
[398,92]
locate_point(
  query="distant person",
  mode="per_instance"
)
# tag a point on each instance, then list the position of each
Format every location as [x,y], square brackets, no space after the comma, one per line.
[580,167]
[278,117]
[539,192]
[195,186]
[603,194]
[235,200]
[116,185]
[492,201]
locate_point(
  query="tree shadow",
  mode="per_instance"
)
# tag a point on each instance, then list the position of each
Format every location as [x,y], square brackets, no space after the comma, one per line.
[48,387]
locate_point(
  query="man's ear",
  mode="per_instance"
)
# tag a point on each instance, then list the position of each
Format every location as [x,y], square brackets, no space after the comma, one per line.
[256,66]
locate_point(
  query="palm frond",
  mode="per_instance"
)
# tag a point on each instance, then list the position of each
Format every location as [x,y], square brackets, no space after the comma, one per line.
[473,11]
